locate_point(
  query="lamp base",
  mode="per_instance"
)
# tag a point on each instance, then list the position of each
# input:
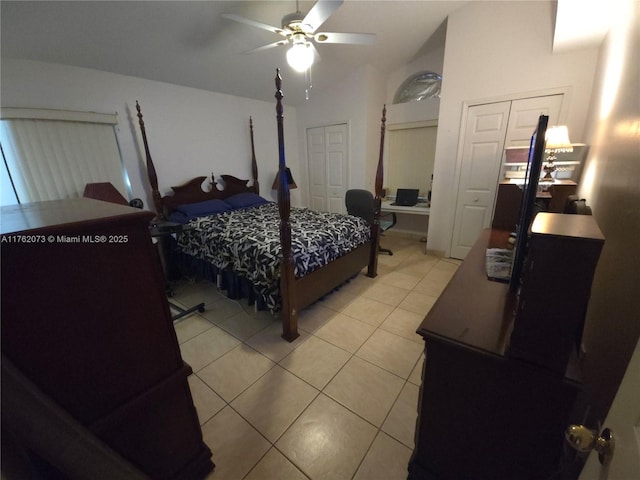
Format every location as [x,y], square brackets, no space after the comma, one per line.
[549,168]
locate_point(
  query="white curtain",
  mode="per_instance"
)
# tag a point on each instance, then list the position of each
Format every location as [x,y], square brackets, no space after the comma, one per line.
[51,154]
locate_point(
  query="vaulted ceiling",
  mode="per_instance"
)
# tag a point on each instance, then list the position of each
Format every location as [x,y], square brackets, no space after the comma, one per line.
[189,42]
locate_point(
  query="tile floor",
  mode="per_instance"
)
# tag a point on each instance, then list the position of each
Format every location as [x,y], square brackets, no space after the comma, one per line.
[337,403]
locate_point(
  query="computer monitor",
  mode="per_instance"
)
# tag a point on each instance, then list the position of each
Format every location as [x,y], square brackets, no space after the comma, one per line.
[406,197]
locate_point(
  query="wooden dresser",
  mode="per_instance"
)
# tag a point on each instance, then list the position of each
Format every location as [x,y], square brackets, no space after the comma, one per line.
[563,252]
[85,318]
[483,414]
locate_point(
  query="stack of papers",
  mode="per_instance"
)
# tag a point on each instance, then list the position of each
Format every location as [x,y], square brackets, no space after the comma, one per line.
[498,263]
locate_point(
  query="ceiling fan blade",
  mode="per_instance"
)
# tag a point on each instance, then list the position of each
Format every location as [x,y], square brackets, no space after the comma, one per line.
[320,12]
[253,23]
[352,38]
[267,47]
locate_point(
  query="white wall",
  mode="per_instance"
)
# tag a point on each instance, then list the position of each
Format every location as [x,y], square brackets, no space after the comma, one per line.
[345,102]
[191,132]
[375,103]
[424,110]
[494,49]
[611,185]
[410,112]
[358,100]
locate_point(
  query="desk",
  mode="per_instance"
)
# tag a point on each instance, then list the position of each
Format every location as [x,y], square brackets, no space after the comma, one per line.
[419,209]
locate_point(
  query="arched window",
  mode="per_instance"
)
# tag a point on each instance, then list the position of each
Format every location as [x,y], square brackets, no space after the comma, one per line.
[418,87]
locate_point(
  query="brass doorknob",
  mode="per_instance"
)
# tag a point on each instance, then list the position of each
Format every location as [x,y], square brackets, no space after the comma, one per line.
[584,440]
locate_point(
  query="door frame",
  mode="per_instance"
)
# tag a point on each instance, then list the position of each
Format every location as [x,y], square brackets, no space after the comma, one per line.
[466,105]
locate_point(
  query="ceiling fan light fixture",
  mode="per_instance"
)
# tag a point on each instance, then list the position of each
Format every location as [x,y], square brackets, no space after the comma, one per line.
[300,56]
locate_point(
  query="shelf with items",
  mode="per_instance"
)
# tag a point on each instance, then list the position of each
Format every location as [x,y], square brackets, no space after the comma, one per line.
[568,164]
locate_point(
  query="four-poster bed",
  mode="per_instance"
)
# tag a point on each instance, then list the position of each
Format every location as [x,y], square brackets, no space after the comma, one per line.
[308,254]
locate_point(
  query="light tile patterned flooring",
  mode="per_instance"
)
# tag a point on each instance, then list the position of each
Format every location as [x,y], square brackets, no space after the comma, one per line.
[337,403]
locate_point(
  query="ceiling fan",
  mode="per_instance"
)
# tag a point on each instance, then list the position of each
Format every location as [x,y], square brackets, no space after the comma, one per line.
[300,31]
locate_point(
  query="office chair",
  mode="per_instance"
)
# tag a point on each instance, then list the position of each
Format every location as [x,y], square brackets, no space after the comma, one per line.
[359,203]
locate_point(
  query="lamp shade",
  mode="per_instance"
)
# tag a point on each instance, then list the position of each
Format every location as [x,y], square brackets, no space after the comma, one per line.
[300,56]
[290,181]
[557,138]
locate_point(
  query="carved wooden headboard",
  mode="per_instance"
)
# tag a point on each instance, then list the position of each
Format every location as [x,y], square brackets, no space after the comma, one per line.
[191,191]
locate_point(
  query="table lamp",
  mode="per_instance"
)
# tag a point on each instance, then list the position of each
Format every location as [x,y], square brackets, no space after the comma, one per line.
[557,140]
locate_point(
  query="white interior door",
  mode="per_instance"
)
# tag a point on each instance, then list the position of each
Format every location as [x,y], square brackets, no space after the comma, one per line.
[328,156]
[485,131]
[488,131]
[316,156]
[524,115]
[624,420]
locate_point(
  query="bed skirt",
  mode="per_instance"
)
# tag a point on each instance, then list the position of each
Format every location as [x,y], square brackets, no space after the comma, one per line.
[235,286]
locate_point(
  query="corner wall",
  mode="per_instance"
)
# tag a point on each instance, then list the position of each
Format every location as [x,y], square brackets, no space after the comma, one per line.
[345,102]
[611,184]
[495,49]
[191,132]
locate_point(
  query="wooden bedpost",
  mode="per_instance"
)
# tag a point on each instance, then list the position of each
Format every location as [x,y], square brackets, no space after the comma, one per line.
[151,169]
[254,164]
[372,270]
[287,278]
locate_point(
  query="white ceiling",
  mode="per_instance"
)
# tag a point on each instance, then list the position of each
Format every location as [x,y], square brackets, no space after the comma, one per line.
[189,43]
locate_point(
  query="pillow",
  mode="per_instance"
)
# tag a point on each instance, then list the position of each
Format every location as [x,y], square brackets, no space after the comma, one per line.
[243,200]
[208,207]
[178,217]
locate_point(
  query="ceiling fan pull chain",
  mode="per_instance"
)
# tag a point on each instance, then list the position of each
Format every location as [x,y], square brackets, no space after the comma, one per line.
[307,75]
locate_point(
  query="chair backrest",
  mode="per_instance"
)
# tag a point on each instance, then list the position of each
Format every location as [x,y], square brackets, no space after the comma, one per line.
[359,203]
